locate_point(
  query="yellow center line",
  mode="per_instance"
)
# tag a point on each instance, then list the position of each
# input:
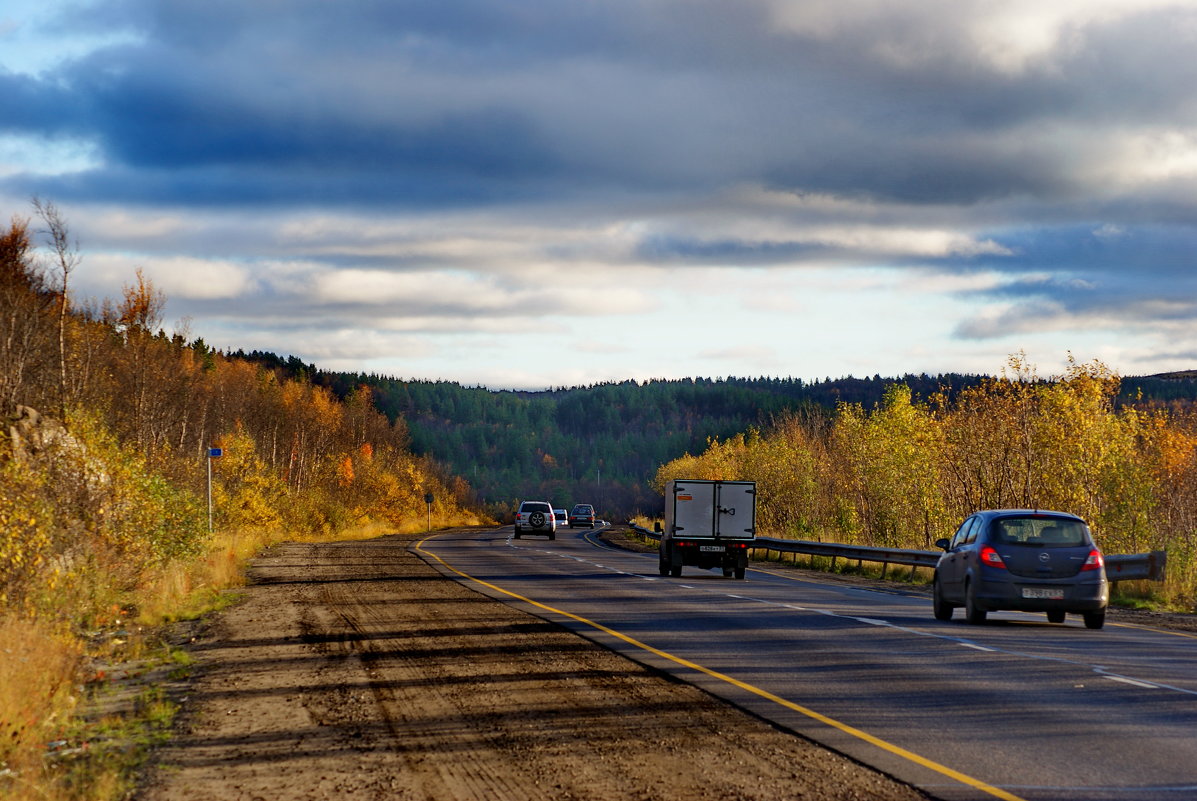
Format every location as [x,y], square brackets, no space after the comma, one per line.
[1141,627]
[910,756]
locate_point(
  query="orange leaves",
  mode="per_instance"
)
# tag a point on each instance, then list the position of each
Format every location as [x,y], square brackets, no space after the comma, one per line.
[1176,448]
[142,305]
[345,471]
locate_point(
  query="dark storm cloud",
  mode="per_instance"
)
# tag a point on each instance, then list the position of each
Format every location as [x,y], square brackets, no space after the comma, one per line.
[434,103]
[1110,251]
[671,249]
[1072,276]
[567,97]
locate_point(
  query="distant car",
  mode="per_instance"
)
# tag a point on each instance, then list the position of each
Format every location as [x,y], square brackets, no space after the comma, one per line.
[581,515]
[561,517]
[536,517]
[1029,560]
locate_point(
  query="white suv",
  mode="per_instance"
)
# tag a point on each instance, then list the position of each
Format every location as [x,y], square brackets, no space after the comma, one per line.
[536,517]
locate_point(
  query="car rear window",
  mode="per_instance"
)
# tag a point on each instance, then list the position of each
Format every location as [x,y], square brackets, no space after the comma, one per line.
[530,506]
[1040,532]
[582,510]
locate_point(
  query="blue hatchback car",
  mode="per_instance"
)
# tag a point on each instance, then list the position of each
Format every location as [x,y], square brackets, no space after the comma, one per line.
[1025,559]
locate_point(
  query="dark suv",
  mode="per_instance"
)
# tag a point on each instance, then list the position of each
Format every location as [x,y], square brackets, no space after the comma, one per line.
[1030,560]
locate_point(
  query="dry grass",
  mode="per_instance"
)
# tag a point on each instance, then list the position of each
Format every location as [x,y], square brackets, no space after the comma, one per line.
[38,669]
[187,591]
[646,522]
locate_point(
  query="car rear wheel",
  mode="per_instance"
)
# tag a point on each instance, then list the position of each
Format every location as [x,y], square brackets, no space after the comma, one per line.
[1095,620]
[941,608]
[1055,616]
[972,613]
[517,532]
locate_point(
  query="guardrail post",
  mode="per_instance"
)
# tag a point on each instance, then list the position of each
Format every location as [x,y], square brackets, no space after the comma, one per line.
[1157,562]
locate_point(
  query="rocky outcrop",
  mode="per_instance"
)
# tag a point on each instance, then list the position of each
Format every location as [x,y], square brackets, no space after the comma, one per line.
[30,433]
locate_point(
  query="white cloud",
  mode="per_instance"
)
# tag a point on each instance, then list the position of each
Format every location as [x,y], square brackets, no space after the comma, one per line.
[551,295]
[1006,36]
[180,278]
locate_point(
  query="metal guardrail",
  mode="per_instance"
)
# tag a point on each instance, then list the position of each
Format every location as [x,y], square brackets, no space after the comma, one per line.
[1139,566]
[1119,567]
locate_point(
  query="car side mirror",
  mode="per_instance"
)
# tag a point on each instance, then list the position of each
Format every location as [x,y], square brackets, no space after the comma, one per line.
[657,526]
[943,544]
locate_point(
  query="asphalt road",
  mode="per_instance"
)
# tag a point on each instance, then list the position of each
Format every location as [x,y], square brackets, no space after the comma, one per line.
[1014,709]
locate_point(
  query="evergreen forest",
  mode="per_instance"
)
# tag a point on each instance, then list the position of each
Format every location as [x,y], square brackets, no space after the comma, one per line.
[603,443]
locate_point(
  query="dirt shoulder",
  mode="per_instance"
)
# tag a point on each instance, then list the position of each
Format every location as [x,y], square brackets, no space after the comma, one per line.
[354,670]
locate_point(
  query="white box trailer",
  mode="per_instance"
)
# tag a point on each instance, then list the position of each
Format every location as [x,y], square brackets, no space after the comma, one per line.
[708,524]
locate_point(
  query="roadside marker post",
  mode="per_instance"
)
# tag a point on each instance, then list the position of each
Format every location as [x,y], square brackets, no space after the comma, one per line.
[428,500]
[213,453]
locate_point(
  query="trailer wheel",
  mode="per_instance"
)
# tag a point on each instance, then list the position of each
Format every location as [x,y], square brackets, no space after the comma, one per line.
[739,572]
[675,570]
[728,571]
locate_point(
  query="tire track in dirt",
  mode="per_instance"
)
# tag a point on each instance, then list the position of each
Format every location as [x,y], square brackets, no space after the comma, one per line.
[355,671]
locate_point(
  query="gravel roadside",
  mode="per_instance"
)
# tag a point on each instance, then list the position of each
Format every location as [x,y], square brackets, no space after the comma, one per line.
[355,671]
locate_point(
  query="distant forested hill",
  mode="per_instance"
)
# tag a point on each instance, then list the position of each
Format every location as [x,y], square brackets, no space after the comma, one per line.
[599,444]
[603,443]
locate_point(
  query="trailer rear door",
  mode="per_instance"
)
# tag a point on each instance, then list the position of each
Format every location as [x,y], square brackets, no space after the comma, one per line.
[735,509]
[693,508]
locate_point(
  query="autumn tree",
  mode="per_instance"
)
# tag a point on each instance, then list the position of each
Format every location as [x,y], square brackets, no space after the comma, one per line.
[888,464]
[26,326]
[65,254]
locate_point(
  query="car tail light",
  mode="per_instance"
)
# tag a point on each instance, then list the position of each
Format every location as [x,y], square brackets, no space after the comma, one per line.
[1094,562]
[991,558]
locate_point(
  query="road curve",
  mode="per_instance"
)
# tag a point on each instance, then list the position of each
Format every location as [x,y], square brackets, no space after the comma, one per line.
[1015,709]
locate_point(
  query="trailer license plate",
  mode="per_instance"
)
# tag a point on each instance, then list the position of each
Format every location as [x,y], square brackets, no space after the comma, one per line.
[712,548]
[1042,592]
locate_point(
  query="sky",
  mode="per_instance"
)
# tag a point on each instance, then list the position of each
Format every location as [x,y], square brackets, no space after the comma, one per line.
[556,193]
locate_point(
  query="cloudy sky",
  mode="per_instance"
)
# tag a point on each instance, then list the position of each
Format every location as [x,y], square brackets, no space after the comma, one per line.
[562,192]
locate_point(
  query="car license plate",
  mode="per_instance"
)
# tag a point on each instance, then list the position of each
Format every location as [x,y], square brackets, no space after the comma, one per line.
[712,548]
[1043,592]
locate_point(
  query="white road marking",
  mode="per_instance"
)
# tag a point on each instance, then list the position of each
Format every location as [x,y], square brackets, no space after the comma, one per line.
[1133,682]
[1098,669]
